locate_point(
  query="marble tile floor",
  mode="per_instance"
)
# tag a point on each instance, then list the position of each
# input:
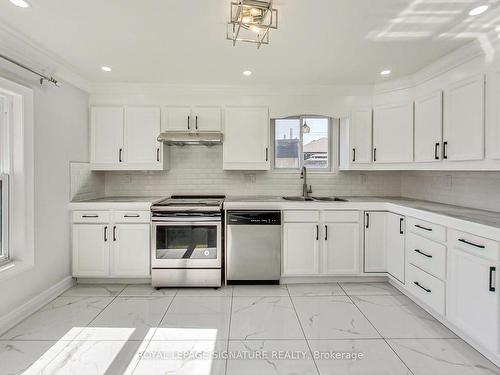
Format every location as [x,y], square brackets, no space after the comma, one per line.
[346,328]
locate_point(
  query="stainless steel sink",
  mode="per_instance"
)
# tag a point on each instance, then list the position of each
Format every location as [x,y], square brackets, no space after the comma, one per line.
[301,198]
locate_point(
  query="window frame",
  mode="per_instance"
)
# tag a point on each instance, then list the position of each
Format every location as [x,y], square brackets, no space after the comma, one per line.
[4,251]
[332,133]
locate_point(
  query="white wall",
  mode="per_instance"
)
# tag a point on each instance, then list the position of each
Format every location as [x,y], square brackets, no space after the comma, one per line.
[60,136]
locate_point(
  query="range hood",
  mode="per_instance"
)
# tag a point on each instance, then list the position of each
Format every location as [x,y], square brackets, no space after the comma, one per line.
[179,138]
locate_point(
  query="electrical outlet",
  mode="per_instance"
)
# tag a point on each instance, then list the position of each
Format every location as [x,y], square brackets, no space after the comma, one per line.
[250,178]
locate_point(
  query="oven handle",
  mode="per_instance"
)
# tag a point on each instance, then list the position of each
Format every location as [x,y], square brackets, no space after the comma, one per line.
[186,219]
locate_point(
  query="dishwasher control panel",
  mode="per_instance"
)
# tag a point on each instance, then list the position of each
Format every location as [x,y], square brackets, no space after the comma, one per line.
[253,218]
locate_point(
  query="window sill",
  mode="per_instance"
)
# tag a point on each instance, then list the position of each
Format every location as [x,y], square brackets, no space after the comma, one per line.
[13,268]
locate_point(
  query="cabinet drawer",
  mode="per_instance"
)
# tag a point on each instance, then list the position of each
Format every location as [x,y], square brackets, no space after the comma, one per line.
[424,228]
[91,216]
[131,216]
[427,288]
[474,244]
[301,216]
[341,216]
[426,254]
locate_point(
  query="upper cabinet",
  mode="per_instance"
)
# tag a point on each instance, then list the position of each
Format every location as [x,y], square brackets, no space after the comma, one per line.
[360,136]
[429,127]
[463,131]
[126,139]
[393,133]
[192,119]
[494,113]
[246,138]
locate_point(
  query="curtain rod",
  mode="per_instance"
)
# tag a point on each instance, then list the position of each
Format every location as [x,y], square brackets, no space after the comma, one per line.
[42,76]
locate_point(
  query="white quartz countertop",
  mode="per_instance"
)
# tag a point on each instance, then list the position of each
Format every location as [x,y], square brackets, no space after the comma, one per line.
[482,217]
[115,203]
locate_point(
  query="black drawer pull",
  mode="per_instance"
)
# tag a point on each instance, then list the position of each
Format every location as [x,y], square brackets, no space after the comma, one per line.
[158,154]
[401,222]
[422,253]
[367,221]
[353,154]
[90,216]
[436,151]
[114,233]
[129,215]
[492,287]
[424,228]
[326,232]
[317,232]
[421,287]
[471,243]
[445,150]
[105,234]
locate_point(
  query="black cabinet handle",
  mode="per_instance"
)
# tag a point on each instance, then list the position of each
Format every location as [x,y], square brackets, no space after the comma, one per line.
[317,232]
[367,220]
[196,122]
[267,154]
[424,228]
[445,150]
[436,151]
[130,215]
[114,233]
[374,154]
[401,221]
[120,155]
[326,232]
[189,126]
[90,216]
[422,253]
[421,287]
[158,154]
[471,243]
[492,287]
[106,233]
[353,154]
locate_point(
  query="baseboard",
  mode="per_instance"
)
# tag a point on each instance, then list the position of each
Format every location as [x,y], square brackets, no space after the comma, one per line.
[113,280]
[366,278]
[22,312]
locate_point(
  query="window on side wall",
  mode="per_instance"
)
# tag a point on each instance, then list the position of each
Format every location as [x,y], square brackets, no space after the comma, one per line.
[303,141]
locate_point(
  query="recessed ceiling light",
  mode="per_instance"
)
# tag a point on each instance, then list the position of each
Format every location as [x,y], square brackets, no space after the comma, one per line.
[20,3]
[385,72]
[476,11]
[106,68]
[247,73]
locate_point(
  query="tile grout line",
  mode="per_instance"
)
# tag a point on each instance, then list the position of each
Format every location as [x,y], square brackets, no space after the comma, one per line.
[229,330]
[303,332]
[375,328]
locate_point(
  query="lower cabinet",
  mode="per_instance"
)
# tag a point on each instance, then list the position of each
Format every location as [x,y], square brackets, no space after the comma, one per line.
[395,256]
[473,303]
[111,249]
[324,243]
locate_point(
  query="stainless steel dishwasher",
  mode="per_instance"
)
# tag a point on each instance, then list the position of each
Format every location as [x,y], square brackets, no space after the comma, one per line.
[253,247]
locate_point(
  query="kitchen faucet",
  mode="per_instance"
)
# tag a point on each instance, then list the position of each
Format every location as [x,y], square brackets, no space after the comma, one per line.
[306,190]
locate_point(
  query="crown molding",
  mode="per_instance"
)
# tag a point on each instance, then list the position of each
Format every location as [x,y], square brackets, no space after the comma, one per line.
[21,48]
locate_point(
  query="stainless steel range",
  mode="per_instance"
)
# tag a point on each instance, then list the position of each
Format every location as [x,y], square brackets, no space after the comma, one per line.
[186,241]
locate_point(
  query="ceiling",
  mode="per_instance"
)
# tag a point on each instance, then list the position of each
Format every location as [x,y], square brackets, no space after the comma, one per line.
[318,42]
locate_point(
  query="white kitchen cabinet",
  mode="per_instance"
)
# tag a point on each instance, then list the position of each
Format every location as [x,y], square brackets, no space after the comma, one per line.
[126,139]
[464,114]
[192,119]
[360,136]
[130,250]
[106,136]
[395,246]
[375,241]
[300,249]
[341,248]
[393,133]
[91,244]
[246,138]
[429,127]
[494,113]
[142,128]
[176,119]
[473,302]
[207,119]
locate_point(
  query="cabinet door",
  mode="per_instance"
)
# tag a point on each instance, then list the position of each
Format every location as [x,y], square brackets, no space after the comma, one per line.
[130,255]
[246,138]
[375,241]
[90,250]
[494,113]
[463,131]
[106,128]
[142,128]
[341,248]
[472,306]
[300,249]
[177,119]
[360,136]
[207,119]
[393,134]
[429,127]
[395,249]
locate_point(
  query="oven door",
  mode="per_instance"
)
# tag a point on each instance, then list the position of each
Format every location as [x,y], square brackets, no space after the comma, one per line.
[185,244]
